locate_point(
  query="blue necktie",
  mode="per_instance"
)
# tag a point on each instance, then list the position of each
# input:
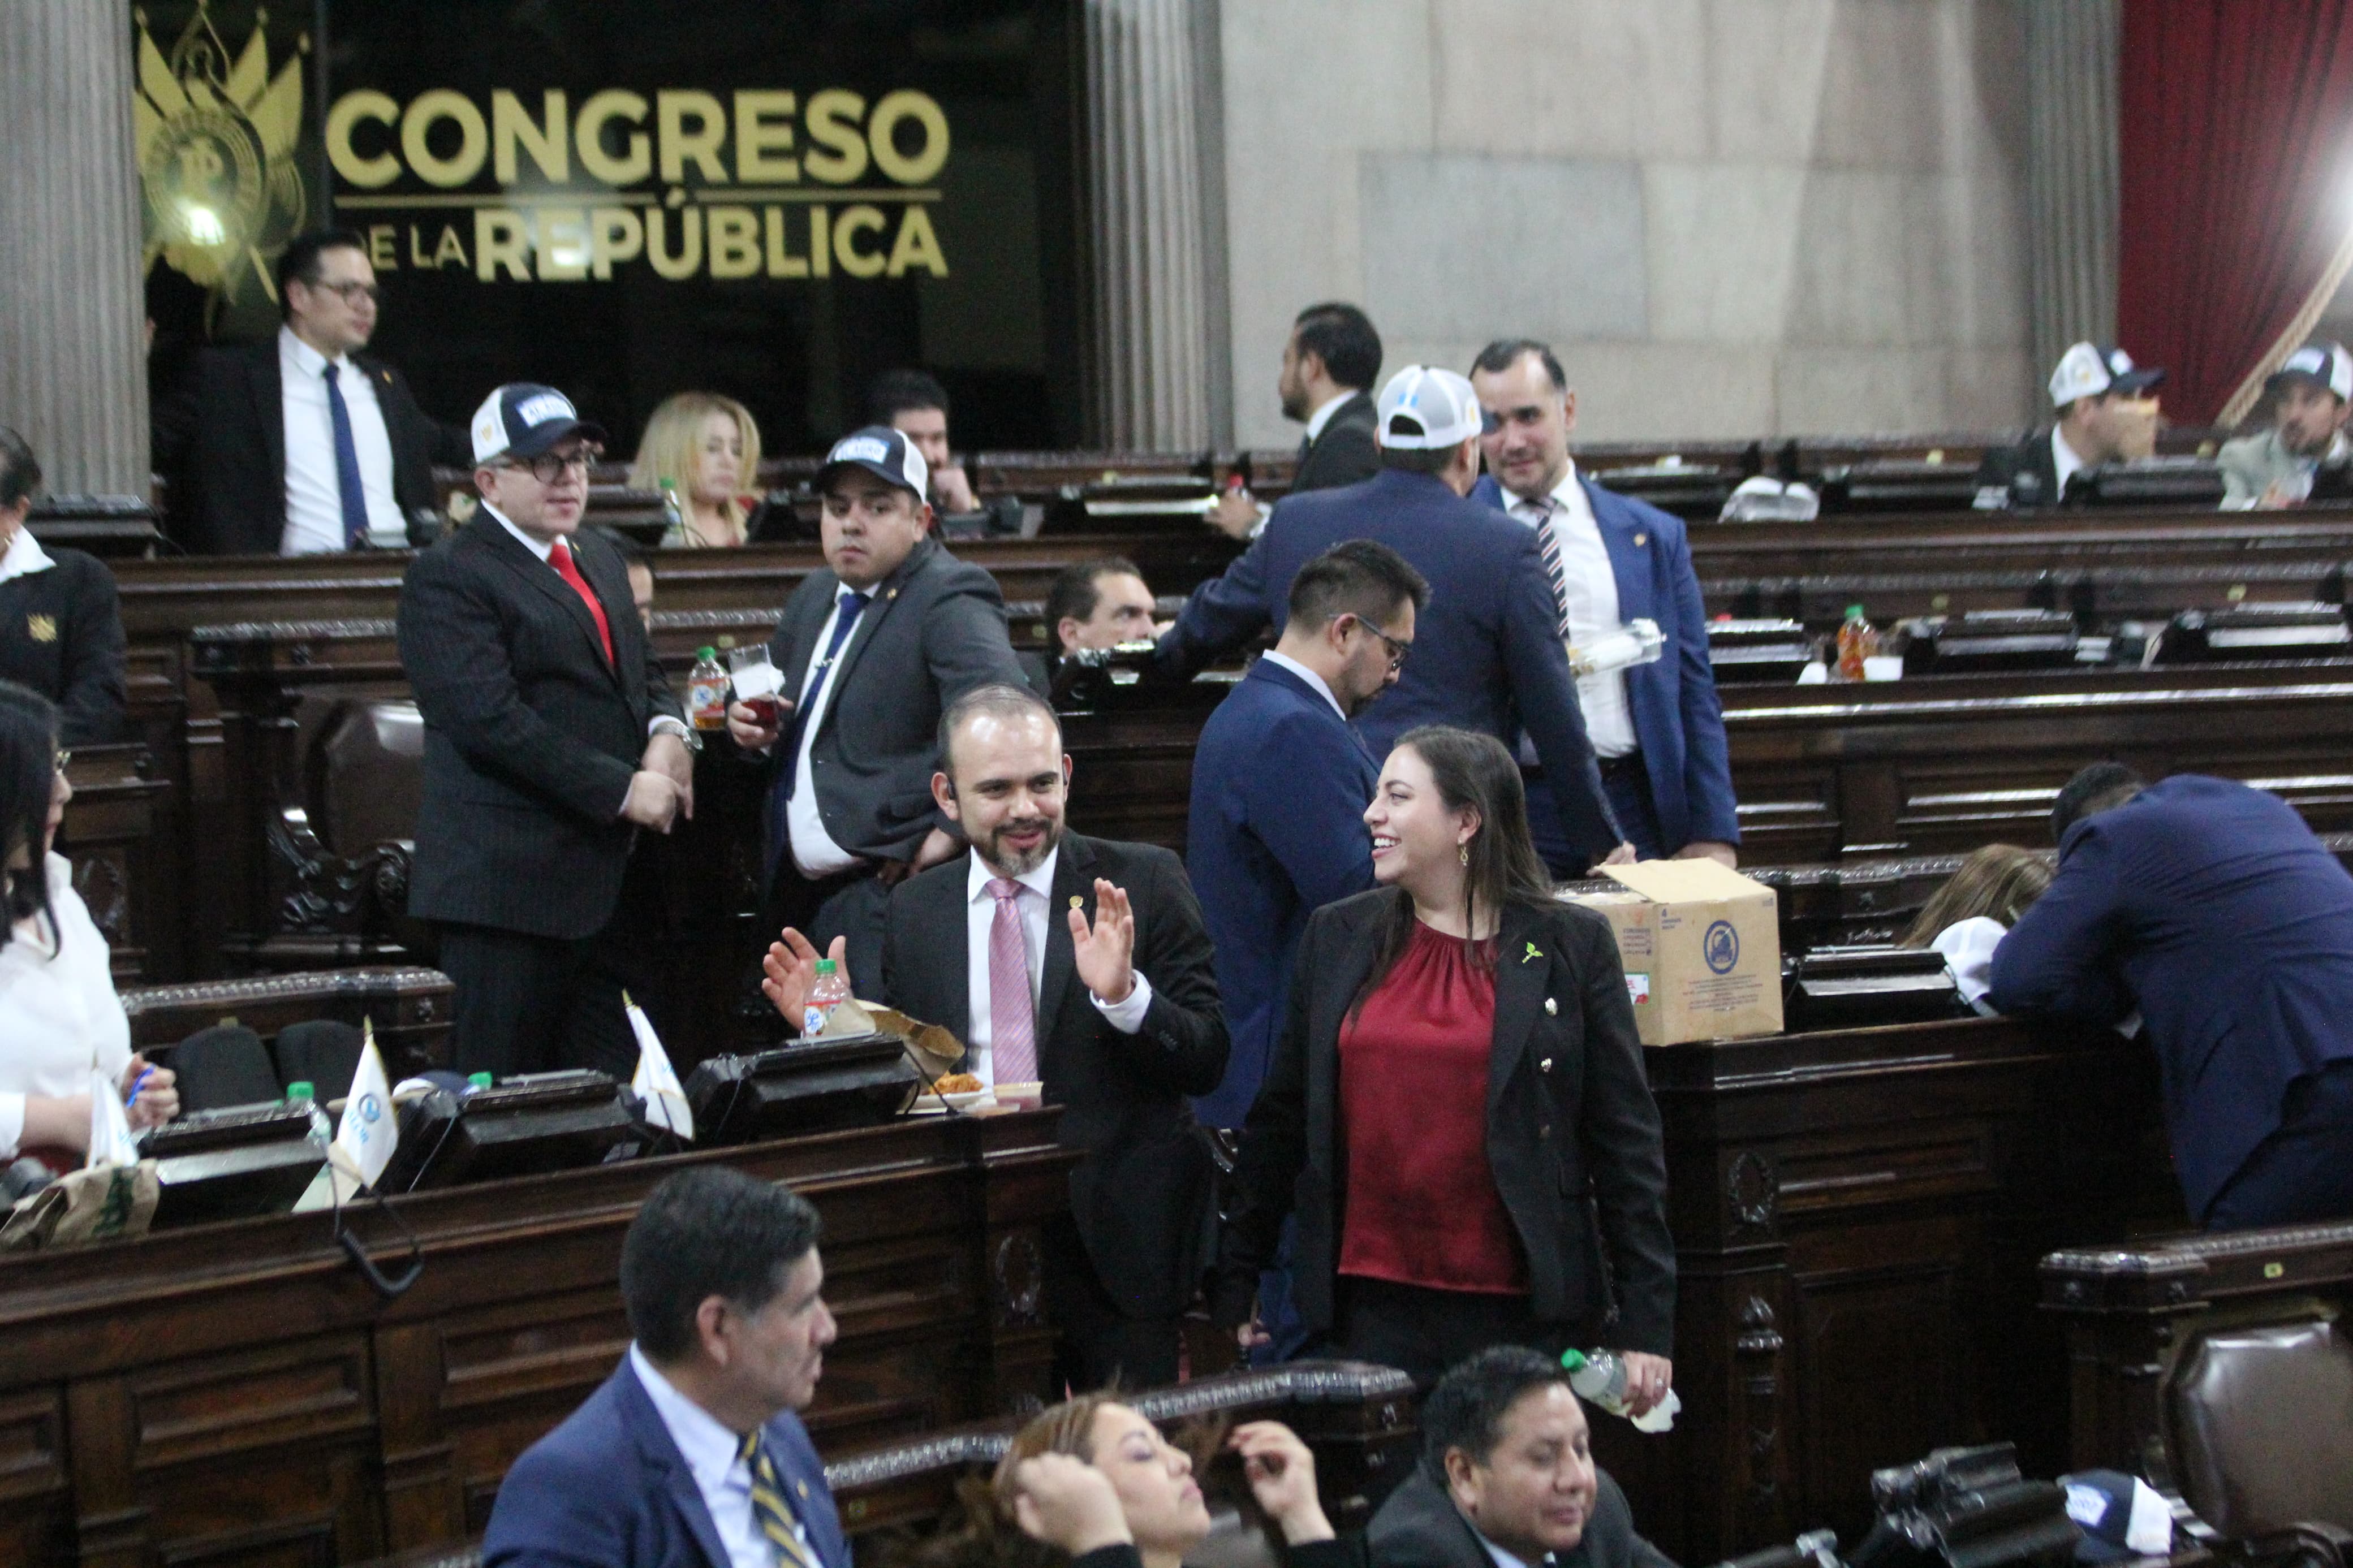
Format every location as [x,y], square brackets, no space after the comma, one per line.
[347,466]
[845,620]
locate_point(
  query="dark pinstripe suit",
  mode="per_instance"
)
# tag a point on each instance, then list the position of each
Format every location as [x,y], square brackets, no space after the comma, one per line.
[530,739]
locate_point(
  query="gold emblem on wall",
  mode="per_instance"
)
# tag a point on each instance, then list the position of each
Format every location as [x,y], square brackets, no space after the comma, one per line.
[216,141]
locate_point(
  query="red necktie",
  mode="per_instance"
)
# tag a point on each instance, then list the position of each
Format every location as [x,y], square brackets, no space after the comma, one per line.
[560,557]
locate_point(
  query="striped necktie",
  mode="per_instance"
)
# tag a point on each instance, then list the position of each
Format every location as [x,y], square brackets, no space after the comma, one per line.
[770,1511]
[1539,513]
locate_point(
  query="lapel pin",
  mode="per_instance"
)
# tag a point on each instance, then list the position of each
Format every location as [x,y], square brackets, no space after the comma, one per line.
[1077,902]
[1640,540]
[1552,1008]
[801,1487]
[1533,953]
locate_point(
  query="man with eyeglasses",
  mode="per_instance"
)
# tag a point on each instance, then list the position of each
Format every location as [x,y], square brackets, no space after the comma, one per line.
[550,738]
[1487,652]
[302,444]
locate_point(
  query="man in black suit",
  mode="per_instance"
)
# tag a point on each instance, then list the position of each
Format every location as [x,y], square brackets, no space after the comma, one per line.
[1329,364]
[1081,963]
[2105,413]
[870,649]
[551,737]
[302,444]
[1506,1476]
[60,618]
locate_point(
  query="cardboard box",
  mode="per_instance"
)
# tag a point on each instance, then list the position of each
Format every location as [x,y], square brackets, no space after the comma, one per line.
[1701,947]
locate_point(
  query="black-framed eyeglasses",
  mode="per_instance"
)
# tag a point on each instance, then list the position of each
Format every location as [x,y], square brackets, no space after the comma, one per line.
[1397,650]
[349,292]
[550,467]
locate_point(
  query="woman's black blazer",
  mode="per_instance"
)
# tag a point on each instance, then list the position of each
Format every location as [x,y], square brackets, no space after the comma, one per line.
[1572,1131]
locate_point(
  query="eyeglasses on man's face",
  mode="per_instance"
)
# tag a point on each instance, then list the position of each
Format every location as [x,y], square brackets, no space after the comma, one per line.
[1397,649]
[350,292]
[550,467]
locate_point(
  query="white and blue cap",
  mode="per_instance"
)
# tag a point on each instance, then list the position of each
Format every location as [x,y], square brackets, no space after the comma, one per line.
[2087,370]
[883,452]
[2121,1516]
[2326,365]
[523,419]
[1425,409]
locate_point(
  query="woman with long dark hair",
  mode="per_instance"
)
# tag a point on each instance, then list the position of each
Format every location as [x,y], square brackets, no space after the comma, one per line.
[59,1017]
[1457,1112]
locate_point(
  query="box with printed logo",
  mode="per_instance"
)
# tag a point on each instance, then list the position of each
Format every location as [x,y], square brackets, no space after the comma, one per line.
[1701,947]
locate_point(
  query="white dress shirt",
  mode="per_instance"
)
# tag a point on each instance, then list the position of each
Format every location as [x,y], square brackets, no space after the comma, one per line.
[813,850]
[25,557]
[715,1456]
[1323,416]
[1035,903]
[1592,595]
[59,1017]
[2063,462]
[314,496]
[1314,682]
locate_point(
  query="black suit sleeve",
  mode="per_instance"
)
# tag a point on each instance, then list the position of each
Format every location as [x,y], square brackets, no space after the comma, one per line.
[1183,1043]
[95,691]
[1273,1148]
[1346,454]
[458,665]
[1624,1153]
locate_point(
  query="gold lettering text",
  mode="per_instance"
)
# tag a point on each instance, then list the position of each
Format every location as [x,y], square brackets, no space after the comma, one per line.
[689,246]
[548,145]
[782,263]
[368,174]
[473,137]
[450,249]
[614,235]
[384,254]
[764,128]
[820,244]
[589,135]
[672,110]
[916,245]
[833,117]
[856,220]
[919,107]
[563,245]
[501,238]
[735,242]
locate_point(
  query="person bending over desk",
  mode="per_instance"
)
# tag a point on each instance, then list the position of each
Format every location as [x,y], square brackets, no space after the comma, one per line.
[1456,1107]
[59,1017]
[1966,918]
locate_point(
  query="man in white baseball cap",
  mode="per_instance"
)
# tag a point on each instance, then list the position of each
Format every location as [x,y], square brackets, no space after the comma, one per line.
[1487,652]
[2106,414]
[2276,468]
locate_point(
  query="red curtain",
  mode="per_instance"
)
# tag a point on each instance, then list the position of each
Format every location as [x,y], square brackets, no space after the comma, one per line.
[2237,180]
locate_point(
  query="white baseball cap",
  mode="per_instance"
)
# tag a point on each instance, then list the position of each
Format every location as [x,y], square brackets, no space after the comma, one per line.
[2087,370]
[2326,364]
[523,419]
[1425,409]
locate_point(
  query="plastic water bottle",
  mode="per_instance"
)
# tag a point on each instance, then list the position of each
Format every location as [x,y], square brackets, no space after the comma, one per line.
[832,989]
[1640,642]
[1599,1377]
[673,511]
[706,691]
[1856,642]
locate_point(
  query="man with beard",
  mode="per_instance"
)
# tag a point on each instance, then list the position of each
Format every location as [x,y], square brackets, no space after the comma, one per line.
[2276,468]
[1085,965]
[1329,364]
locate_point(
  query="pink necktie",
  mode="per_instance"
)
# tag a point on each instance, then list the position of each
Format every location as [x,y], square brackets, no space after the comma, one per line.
[1012,1017]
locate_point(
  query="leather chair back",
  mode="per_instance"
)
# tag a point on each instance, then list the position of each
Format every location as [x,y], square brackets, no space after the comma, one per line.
[369,775]
[223,1065]
[2262,1422]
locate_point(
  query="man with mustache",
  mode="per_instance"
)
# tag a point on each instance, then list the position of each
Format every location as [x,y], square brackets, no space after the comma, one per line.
[1085,965]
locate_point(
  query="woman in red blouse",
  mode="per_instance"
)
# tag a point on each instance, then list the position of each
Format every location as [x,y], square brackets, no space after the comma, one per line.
[1457,1112]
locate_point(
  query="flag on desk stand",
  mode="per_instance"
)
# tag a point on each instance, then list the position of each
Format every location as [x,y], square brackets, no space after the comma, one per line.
[654,1083]
[369,1132]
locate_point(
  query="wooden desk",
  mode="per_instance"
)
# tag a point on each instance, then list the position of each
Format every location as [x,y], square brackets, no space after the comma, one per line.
[236,1395]
[121,859]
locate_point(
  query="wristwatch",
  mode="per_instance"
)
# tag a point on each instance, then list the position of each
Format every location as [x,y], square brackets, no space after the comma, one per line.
[666,725]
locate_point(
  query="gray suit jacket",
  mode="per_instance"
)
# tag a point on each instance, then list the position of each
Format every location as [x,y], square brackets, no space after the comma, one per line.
[934,630]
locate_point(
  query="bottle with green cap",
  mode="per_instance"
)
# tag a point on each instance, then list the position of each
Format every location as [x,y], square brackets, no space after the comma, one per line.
[1857,641]
[478,1081]
[1599,1377]
[301,1089]
[673,512]
[831,990]
[706,691]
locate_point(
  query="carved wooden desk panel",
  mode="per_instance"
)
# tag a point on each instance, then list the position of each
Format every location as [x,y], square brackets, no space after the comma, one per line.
[1858,1216]
[238,1395]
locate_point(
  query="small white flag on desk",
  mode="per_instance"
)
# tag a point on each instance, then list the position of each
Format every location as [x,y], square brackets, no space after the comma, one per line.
[369,1130]
[654,1083]
[111,1143]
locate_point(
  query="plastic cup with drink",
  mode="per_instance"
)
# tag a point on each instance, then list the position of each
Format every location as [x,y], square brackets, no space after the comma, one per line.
[758,683]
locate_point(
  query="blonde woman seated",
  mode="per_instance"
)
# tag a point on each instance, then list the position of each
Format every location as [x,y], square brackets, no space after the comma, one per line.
[1094,1483]
[59,1017]
[1966,918]
[706,447]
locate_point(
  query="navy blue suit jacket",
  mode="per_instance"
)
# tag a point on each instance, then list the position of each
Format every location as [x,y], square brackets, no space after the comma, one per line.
[2211,908]
[1677,720]
[1486,650]
[1276,831]
[608,1488]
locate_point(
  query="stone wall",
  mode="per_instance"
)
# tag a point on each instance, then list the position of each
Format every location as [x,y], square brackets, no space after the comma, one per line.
[1731,217]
